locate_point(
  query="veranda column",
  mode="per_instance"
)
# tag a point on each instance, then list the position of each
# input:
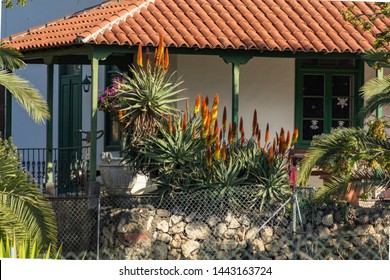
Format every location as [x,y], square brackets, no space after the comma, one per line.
[235,60]
[49,124]
[94,111]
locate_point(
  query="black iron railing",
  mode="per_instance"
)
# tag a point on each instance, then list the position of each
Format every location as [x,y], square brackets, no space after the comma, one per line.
[57,171]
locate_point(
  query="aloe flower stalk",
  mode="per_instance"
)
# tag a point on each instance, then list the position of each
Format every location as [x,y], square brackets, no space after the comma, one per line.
[254,123]
[271,156]
[166,59]
[184,122]
[214,108]
[197,105]
[266,134]
[209,156]
[223,152]
[288,138]
[230,134]
[139,56]
[282,142]
[217,153]
[170,124]
[294,136]
[224,119]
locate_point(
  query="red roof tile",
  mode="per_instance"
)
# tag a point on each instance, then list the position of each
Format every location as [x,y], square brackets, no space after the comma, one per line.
[281,25]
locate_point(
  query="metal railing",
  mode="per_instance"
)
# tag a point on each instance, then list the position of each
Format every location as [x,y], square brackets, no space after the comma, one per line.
[57,171]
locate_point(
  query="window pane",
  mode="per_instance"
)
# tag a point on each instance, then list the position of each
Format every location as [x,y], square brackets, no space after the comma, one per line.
[341,123]
[341,108]
[341,85]
[313,85]
[313,107]
[311,128]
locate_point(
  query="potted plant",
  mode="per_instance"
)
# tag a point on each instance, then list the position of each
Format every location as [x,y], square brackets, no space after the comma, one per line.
[141,99]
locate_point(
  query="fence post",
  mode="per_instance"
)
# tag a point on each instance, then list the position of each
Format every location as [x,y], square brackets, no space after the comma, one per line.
[294,216]
[98,230]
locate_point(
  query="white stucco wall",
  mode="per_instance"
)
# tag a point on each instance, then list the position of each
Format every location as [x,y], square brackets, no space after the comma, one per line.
[266,84]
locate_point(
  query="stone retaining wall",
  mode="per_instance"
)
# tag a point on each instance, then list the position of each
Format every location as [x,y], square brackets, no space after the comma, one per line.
[335,232]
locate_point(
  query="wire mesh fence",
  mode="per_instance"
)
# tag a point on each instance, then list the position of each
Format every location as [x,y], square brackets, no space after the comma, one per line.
[206,225]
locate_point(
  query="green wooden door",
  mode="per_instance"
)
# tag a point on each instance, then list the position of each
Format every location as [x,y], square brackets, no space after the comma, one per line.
[69,136]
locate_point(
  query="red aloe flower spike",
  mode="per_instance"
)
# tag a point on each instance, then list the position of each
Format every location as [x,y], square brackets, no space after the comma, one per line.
[206,127]
[174,130]
[139,55]
[166,59]
[205,117]
[147,58]
[254,123]
[259,140]
[216,131]
[242,138]
[274,145]
[288,138]
[214,109]
[160,52]
[184,122]
[230,134]
[223,152]
[282,142]
[194,133]
[224,119]
[241,125]
[294,136]
[266,134]
[220,136]
[217,152]
[207,101]
[197,105]
[170,124]
[234,134]
[208,156]
[271,156]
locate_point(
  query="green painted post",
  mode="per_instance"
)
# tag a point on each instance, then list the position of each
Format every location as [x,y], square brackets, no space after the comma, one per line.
[49,124]
[379,110]
[235,91]
[94,111]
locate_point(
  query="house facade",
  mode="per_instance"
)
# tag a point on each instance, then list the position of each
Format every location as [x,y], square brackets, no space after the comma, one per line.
[295,62]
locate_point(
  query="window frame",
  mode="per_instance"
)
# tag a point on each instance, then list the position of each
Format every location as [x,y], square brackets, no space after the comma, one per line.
[358,78]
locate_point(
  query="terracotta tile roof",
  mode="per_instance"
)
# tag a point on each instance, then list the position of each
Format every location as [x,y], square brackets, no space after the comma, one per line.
[280,25]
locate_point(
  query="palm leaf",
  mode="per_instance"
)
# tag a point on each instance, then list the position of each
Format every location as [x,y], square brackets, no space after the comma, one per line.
[374,102]
[376,86]
[10,59]
[27,96]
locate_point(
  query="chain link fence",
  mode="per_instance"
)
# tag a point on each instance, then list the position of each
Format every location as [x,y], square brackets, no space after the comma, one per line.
[211,225]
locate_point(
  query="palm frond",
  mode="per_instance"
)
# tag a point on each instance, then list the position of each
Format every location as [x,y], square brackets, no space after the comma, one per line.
[326,145]
[10,59]
[374,102]
[375,86]
[24,212]
[27,96]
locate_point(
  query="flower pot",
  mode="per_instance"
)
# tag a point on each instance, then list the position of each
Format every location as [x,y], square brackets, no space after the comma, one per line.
[117,177]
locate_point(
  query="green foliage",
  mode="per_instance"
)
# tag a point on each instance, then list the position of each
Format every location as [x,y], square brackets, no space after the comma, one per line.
[26,95]
[185,156]
[379,56]
[26,249]
[24,213]
[354,158]
[10,3]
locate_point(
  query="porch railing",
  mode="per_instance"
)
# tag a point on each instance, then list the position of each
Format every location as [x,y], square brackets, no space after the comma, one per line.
[58,171]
